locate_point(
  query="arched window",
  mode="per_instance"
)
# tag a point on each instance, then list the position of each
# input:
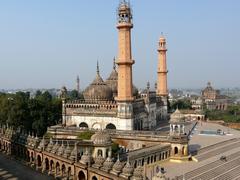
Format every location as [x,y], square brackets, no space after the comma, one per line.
[176,128]
[175,150]
[69,171]
[83,125]
[81,176]
[32,157]
[94,178]
[57,167]
[63,170]
[135,164]
[39,161]
[47,164]
[51,165]
[110,126]
[99,153]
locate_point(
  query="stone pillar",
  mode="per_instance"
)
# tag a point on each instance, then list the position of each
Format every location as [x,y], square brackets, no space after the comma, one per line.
[186,150]
[104,153]
[43,166]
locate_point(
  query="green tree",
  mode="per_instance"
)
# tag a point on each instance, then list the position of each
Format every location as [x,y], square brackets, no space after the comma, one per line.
[181,104]
[31,114]
[85,135]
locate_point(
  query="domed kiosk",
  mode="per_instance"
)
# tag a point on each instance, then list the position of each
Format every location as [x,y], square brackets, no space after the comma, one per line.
[102,143]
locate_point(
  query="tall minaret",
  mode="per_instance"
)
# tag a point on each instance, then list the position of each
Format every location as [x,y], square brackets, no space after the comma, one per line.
[162,68]
[78,84]
[162,90]
[124,61]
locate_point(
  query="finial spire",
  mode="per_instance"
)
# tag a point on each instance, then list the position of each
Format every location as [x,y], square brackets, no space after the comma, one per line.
[114,63]
[148,85]
[97,68]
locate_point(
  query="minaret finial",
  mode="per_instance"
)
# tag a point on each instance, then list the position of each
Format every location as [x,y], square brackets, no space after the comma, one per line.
[114,63]
[78,84]
[148,85]
[97,68]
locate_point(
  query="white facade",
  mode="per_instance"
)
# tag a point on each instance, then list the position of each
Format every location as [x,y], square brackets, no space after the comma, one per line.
[99,122]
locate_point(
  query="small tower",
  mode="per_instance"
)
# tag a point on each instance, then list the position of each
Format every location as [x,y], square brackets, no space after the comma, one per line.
[125,62]
[162,91]
[78,84]
[63,96]
[178,137]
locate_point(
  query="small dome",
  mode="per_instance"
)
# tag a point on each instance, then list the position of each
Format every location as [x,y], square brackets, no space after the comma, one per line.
[55,148]
[98,162]
[50,145]
[67,152]
[60,150]
[98,89]
[209,87]
[118,166]
[123,6]
[101,138]
[112,80]
[138,173]
[86,158]
[108,164]
[162,39]
[73,153]
[177,117]
[128,169]
[41,145]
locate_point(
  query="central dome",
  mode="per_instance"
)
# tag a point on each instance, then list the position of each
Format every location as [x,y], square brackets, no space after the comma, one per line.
[98,89]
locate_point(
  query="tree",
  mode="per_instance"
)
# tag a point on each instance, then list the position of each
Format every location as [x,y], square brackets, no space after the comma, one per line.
[73,95]
[31,114]
[181,104]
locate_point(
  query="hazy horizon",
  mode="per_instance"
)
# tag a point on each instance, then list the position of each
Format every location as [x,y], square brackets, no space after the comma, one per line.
[46,44]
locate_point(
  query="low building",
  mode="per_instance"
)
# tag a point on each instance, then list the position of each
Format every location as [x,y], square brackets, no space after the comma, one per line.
[213,99]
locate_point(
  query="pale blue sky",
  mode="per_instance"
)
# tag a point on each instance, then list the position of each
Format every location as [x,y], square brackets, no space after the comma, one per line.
[47,43]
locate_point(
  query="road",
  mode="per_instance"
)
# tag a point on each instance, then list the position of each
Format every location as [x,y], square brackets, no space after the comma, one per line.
[13,170]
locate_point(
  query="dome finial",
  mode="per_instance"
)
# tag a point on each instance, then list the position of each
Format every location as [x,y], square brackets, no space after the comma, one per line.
[97,67]
[114,63]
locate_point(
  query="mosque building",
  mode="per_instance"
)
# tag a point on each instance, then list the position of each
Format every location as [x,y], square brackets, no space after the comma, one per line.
[115,103]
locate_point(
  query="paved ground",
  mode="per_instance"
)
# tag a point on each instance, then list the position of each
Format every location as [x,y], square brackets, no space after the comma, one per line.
[13,170]
[197,142]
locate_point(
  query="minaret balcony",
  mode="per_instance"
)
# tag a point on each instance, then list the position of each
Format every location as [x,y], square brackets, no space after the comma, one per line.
[125,62]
